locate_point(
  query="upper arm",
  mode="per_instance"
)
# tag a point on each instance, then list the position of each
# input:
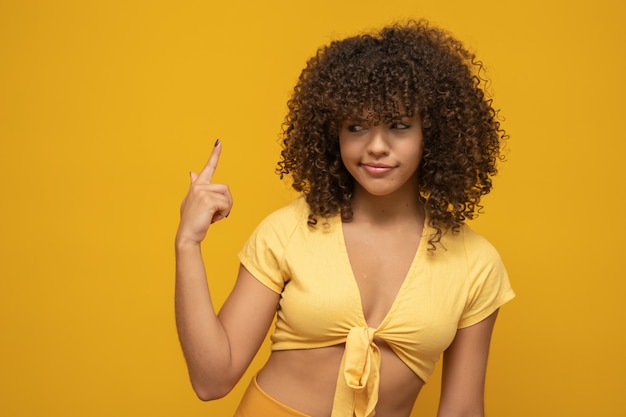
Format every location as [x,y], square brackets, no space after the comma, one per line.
[464,370]
[246,317]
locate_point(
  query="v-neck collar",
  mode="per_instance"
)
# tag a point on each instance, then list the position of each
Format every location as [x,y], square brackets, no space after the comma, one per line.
[337,227]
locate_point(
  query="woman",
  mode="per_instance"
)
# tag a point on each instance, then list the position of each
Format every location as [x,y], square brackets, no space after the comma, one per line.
[373,272]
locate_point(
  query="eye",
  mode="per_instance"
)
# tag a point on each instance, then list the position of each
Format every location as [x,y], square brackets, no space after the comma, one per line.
[399,126]
[354,128]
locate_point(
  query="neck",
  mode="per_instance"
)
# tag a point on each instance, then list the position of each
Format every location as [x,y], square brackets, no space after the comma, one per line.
[396,207]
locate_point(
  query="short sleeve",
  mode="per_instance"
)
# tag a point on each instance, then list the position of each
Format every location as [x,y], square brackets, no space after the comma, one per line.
[264,252]
[490,287]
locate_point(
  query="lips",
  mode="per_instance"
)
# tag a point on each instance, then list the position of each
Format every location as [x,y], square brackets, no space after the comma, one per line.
[376,168]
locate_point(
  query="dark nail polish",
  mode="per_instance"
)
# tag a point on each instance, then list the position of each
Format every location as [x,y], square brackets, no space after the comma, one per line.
[217,142]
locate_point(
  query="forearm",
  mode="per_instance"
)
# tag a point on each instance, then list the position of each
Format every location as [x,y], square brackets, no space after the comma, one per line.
[203,338]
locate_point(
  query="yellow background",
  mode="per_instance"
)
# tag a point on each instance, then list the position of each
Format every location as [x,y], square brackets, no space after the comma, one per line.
[106,105]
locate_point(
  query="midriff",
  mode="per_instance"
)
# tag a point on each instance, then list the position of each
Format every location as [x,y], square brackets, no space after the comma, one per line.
[305,380]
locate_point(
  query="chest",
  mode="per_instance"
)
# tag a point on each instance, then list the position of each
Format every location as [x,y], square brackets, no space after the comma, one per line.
[335,282]
[336,279]
[380,261]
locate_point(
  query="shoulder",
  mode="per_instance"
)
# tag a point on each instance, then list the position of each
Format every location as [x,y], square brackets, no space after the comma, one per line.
[479,257]
[287,217]
[263,254]
[467,244]
[278,226]
[483,259]
[476,246]
[488,285]
[296,209]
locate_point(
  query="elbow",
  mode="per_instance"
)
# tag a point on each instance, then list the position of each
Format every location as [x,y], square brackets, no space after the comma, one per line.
[462,413]
[206,391]
[207,395]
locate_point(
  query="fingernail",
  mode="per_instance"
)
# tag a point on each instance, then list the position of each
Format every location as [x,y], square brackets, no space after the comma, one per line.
[217,142]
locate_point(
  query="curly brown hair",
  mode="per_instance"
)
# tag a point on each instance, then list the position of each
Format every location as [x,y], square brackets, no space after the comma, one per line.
[405,68]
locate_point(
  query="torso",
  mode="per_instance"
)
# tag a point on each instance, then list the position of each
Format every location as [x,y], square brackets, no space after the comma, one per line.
[380,257]
[337,278]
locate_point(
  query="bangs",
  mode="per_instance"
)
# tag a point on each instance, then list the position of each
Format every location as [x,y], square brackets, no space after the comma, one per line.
[373,86]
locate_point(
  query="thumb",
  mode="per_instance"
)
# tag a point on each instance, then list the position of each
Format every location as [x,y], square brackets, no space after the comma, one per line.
[193,176]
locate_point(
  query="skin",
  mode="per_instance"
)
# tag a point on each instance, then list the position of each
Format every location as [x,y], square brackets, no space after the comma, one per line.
[219,347]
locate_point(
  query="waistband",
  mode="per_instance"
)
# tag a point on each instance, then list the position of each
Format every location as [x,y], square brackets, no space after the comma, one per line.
[257,403]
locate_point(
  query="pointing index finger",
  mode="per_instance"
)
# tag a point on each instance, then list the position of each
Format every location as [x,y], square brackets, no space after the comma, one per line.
[209,169]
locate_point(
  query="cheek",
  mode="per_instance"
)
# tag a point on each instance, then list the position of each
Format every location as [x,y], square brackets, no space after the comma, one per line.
[345,150]
[414,153]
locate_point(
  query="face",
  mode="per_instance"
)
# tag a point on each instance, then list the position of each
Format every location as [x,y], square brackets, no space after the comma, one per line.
[383,158]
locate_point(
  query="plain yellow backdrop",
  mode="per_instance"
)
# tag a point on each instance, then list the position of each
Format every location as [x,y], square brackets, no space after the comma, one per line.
[105,106]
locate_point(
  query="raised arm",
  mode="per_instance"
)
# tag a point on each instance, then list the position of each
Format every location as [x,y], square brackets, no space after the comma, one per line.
[217,349]
[464,370]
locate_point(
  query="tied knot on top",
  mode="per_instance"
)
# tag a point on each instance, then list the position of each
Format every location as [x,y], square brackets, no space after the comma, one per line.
[358,357]
[357,385]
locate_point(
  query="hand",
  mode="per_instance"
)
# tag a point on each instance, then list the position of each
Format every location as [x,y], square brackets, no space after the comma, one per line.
[205,202]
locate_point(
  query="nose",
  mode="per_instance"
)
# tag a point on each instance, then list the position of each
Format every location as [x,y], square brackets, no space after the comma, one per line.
[378,144]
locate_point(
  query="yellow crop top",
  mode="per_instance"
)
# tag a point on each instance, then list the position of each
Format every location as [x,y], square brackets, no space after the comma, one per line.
[320,302]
